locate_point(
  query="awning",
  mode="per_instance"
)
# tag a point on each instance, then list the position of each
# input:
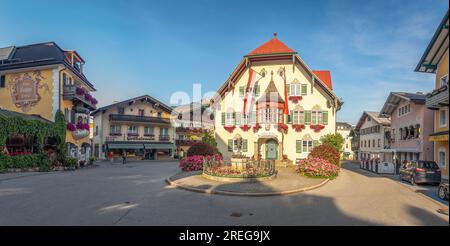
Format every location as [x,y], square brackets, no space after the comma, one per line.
[125,146]
[159,146]
[439,136]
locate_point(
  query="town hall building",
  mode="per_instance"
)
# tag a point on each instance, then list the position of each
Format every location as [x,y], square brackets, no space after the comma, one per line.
[273,106]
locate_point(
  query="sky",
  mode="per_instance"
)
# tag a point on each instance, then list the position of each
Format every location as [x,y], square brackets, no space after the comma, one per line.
[132,48]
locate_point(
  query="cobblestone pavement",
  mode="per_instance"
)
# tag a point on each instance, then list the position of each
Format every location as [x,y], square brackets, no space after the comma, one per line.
[137,194]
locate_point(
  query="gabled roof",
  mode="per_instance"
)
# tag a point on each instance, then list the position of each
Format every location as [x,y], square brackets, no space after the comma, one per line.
[145,98]
[262,54]
[270,91]
[435,49]
[395,98]
[34,55]
[381,120]
[325,76]
[273,46]
[7,113]
[344,124]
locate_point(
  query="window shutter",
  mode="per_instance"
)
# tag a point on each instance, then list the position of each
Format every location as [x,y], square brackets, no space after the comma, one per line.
[244,145]
[223,118]
[298,146]
[288,88]
[304,89]
[238,118]
[289,117]
[241,91]
[315,143]
[230,145]
[325,117]
[257,90]
[307,117]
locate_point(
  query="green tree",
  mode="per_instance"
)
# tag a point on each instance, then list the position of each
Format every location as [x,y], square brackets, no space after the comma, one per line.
[335,140]
[209,139]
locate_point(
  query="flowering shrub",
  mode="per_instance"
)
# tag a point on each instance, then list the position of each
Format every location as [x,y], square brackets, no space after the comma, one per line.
[298,128]
[230,172]
[82,126]
[201,148]
[316,167]
[326,152]
[80,91]
[94,101]
[195,162]
[88,97]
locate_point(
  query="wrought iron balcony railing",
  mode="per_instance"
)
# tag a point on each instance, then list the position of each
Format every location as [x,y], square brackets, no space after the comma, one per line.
[138,118]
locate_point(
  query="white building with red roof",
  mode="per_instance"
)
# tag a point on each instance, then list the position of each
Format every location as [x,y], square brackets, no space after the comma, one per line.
[273,106]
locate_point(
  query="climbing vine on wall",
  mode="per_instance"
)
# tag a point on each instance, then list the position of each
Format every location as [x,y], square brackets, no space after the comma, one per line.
[15,126]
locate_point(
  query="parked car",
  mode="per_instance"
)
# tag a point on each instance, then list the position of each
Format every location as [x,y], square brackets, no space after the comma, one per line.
[443,190]
[420,172]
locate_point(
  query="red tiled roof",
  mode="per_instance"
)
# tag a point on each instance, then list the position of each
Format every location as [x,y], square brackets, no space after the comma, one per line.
[273,46]
[325,76]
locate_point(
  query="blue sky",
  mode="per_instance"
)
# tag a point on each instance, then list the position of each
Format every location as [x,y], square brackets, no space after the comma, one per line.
[133,48]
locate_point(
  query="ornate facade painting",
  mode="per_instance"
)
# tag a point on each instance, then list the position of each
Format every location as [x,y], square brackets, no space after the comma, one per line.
[24,90]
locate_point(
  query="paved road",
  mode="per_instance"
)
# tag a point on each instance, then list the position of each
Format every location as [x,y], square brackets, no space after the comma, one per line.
[137,195]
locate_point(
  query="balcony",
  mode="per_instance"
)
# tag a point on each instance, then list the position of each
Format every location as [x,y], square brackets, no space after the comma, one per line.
[437,98]
[186,142]
[164,138]
[138,118]
[73,93]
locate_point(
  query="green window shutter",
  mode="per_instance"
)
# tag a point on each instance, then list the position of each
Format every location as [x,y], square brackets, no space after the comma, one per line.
[315,143]
[244,145]
[325,117]
[289,117]
[298,146]
[257,90]
[307,117]
[223,118]
[288,88]
[238,118]
[304,89]
[241,91]
[230,145]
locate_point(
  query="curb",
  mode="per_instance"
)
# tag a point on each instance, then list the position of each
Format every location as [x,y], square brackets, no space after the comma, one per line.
[251,194]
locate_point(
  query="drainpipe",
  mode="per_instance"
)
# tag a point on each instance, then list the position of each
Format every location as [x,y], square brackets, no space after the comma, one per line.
[61,92]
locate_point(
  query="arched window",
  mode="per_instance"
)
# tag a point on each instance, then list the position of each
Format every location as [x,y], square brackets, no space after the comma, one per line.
[298,116]
[316,115]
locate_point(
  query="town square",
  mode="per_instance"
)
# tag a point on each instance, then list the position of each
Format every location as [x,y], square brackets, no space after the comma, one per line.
[139,118]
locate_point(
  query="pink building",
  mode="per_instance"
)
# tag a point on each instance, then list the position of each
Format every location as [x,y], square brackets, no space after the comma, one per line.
[411,123]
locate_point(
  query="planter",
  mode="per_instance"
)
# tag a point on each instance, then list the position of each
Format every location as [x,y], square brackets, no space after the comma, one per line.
[295,99]
[281,127]
[256,127]
[317,128]
[245,128]
[80,133]
[229,129]
[298,128]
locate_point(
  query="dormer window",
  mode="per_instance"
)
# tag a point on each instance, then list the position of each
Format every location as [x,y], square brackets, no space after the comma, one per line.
[77,66]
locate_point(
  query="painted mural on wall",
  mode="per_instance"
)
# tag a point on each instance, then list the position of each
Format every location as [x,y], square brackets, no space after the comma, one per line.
[24,90]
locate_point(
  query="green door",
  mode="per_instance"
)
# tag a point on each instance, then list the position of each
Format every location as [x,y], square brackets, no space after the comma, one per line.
[271,150]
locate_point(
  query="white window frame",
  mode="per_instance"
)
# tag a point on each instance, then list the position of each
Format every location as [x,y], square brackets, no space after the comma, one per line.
[229,119]
[295,89]
[149,127]
[309,146]
[132,131]
[443,124]
[115,127]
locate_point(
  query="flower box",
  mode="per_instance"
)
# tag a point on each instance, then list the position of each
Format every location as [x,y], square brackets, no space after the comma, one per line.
[281,127]
[256,127]
[295,99]
[71,127]
[80,91]
[298,128]
[229,129]
[115,134]
[245,128]
[133,134]
[317,128]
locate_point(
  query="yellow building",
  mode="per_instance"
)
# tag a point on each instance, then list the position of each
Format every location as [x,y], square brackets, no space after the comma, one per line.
[40,79]
[435,60]
[273,106]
